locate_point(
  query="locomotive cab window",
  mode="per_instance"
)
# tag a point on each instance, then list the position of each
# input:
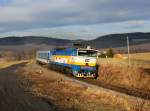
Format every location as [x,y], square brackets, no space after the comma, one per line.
[87,53]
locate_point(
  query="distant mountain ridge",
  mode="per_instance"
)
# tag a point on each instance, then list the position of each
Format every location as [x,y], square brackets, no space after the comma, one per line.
[107,41]
[119,40]
[33,40]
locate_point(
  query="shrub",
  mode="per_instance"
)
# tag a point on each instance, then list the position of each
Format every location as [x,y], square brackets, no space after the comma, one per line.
[110,53]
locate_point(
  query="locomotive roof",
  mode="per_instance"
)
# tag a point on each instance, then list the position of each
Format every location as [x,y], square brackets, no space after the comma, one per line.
[87,49]
[63,48]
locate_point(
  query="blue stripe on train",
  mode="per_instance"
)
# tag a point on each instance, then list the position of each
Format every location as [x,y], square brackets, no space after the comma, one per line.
[75,67]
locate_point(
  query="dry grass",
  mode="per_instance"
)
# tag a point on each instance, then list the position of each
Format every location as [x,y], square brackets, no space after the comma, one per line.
[117,72]
[137,60]
[132,77]
[4,64]
[141,56]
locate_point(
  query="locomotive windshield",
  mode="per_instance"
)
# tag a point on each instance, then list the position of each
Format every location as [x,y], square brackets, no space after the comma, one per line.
[87,53]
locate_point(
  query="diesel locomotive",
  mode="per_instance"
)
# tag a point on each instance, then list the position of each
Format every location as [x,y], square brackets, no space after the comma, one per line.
[77,61]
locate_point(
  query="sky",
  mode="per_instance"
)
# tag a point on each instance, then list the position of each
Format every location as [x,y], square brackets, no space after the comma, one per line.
[73,19]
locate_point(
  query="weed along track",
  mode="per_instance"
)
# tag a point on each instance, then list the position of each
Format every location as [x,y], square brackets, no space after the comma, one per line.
[143,94]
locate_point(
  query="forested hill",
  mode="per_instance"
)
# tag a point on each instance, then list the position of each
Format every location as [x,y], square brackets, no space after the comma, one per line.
[120,40]
[107,41]
[33,40]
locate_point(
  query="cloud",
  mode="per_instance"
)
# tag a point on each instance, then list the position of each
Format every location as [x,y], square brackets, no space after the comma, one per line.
[84,31]
[12,14]
[19,15]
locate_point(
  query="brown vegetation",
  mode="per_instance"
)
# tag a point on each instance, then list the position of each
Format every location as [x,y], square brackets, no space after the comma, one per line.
[18,55]
[131,77]
[77,93]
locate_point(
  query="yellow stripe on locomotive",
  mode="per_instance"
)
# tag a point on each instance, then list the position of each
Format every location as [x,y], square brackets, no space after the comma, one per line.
[75,60]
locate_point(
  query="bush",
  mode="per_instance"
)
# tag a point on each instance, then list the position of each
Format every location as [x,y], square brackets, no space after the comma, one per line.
[107,54]
[110,53]
[102,55]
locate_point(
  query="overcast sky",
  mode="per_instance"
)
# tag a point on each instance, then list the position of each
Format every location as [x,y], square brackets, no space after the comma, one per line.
[73,19]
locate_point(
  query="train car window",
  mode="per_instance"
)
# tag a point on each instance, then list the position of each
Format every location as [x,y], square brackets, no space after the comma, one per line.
[43,55]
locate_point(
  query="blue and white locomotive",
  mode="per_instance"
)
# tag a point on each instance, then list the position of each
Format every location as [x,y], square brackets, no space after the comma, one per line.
[79,62]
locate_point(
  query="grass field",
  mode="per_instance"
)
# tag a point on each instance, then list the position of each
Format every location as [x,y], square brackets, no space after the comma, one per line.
[141,56]
[137,59]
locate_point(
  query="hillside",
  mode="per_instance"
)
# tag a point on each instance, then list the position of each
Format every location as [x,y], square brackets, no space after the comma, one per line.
[107,41]
[33,40]
[119,40]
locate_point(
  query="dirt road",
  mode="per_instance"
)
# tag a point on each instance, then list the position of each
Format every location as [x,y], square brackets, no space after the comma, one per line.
[24,89]
[13,96]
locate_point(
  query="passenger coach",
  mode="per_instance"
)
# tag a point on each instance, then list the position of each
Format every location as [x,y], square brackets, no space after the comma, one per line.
[43,57]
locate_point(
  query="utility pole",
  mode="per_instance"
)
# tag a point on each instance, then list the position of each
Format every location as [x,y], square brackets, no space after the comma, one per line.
[128,47]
